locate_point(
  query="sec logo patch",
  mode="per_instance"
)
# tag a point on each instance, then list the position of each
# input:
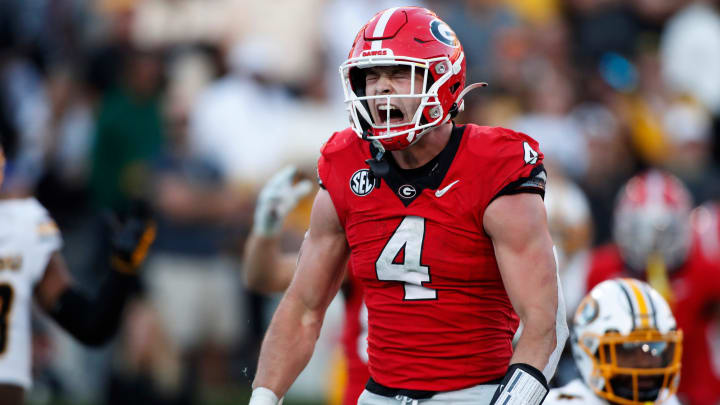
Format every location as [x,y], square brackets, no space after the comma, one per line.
[362,182]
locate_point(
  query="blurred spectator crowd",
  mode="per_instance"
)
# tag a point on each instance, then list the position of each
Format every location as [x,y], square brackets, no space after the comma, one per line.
[193,104]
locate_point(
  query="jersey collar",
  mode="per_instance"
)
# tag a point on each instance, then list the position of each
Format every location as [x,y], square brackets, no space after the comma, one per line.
[428,176]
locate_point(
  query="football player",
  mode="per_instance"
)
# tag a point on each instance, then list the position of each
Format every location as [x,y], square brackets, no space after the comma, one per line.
[658,240]
[443,225]
[267,270]
[33,269]
[627,347]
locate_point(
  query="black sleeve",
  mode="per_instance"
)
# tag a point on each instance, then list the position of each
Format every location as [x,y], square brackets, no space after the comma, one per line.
[95,321]
[534,184]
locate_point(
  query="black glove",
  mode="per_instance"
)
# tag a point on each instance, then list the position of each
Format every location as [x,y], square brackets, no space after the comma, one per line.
[132,233]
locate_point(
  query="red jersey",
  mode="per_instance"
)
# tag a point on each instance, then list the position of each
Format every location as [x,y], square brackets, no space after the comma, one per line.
[439,316]
[354,340]
[696,290]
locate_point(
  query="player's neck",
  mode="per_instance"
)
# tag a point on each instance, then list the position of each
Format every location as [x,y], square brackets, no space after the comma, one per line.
[429,146]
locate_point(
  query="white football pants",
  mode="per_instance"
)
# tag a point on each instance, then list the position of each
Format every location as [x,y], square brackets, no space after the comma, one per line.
[477,395]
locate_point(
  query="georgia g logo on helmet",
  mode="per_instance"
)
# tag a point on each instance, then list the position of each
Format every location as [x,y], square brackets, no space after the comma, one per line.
[443,33]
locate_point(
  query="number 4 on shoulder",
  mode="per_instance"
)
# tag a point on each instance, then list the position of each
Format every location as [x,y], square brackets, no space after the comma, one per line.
[531,156]
[400,260]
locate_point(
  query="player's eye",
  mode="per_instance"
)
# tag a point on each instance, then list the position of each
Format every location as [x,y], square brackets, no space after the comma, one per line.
[401,74]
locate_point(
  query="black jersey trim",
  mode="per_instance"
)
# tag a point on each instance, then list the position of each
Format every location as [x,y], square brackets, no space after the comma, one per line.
[524,185]
[379,389]
[428,176]
[347,287]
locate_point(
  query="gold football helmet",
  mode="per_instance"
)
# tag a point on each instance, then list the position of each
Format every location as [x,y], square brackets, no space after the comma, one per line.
[626,343]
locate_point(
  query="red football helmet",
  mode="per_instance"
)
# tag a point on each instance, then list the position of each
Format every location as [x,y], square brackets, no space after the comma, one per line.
[652,217]
[414,37]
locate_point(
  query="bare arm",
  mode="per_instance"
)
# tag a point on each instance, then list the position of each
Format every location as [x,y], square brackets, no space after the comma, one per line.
[290,339]
[266,269]
[55,281]
[517,225]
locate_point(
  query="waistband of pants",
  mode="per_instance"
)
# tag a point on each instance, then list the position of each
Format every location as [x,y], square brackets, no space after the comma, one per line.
[379,389]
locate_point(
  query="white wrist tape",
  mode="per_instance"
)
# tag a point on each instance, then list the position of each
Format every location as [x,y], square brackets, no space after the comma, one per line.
[521,387]
[263,396]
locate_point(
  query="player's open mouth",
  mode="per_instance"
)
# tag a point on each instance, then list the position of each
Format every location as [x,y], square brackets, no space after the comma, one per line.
[396,115]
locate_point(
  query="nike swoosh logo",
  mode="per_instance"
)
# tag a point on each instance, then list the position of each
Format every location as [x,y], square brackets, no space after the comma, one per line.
[445,189]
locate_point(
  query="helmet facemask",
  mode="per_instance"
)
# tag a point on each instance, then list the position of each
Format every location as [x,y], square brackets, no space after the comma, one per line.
[641,367]
[428,114]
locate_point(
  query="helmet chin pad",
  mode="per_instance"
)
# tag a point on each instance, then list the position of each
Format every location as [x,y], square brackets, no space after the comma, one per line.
[396,142]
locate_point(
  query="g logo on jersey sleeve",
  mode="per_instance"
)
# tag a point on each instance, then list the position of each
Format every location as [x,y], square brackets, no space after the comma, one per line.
[362,182]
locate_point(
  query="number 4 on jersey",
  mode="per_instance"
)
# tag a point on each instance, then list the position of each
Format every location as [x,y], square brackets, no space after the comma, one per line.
[400,260]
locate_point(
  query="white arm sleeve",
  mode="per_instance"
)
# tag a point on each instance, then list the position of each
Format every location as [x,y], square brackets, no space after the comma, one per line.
[561,328]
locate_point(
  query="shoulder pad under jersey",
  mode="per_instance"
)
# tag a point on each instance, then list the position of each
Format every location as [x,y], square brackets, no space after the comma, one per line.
[339,141]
